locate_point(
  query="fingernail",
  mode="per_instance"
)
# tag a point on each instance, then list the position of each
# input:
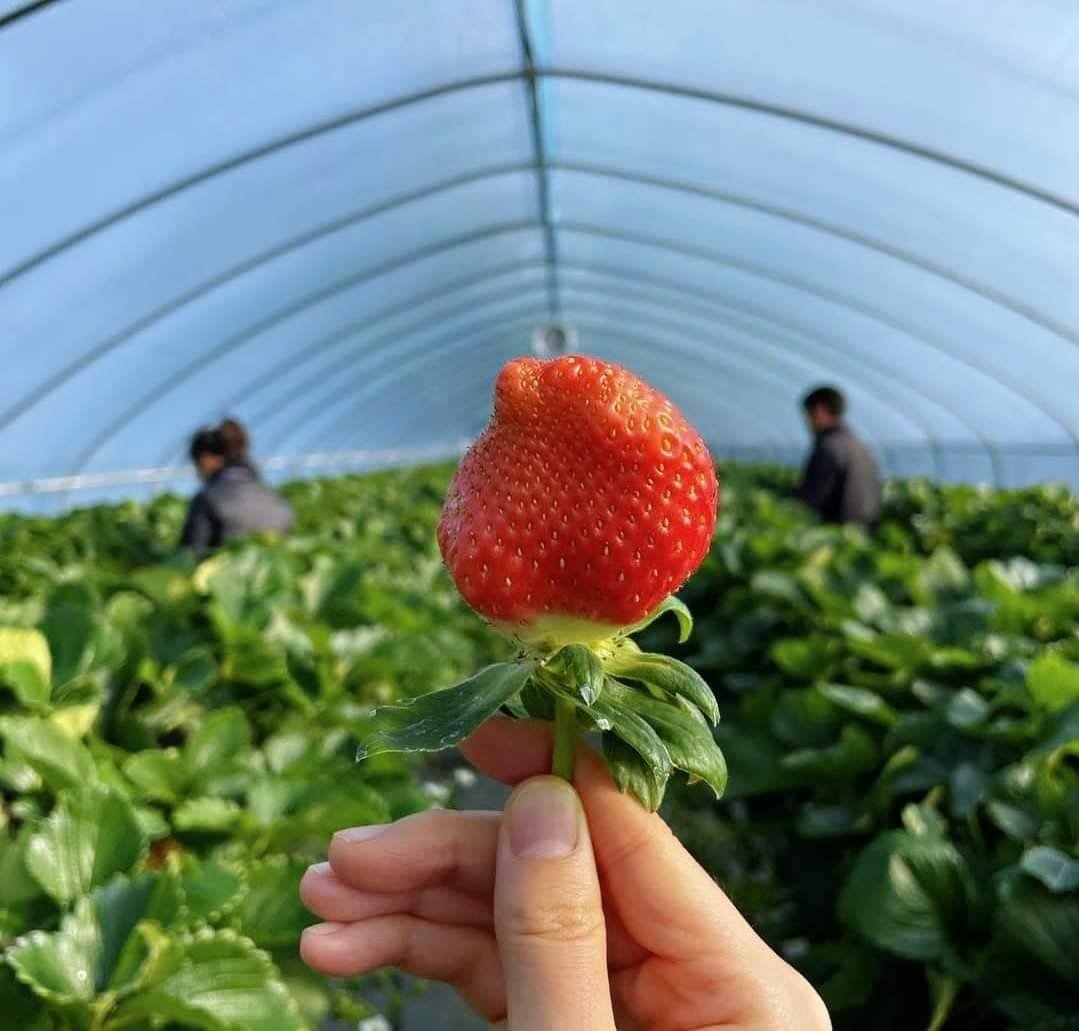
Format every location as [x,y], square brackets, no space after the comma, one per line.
[317,930]
[543,819]
[362,833]
[319,869]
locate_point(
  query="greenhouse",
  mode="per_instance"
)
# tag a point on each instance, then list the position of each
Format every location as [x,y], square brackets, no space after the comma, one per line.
[321,321]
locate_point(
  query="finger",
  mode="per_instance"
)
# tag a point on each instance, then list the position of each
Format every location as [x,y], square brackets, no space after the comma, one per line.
[329,898]
[510,751]
[665,899]
[460,956]
[453,849]
[549,913]
[436,847]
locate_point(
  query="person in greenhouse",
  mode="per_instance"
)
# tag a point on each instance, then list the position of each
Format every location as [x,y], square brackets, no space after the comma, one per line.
[840,482]
[233,501]
[237,443]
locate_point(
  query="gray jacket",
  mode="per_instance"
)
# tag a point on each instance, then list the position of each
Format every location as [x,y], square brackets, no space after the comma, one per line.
[841,482]
[234,502]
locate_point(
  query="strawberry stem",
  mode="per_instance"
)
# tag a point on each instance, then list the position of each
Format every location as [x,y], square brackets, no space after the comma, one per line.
[565,739]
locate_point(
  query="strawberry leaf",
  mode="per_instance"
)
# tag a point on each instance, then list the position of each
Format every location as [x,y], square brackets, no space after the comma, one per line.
[635,732]
[60,760]
[221,983]
[271,913]
[95,948]
[87,839]
[634,774]
[687,737]
[536,702]
[26,665]
[579,669]
[669,604]
[442,719]
[664,674]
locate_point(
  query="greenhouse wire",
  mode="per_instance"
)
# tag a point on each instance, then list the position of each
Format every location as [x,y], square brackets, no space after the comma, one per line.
[678,247]
[539,152]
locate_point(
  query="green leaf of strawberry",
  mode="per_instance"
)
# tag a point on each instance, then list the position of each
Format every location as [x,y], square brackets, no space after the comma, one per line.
[445,718]
[577,669]
[664,675]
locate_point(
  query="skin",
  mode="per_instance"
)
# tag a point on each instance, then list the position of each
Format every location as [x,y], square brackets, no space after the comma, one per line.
[622,931]
[207,464]
[820,419]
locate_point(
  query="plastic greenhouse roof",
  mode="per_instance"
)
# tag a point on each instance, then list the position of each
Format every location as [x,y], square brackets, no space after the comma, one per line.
[335,220]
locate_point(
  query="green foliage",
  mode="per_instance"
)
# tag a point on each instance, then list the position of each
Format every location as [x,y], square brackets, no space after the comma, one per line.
[177,745]
[655,706]
[901,719]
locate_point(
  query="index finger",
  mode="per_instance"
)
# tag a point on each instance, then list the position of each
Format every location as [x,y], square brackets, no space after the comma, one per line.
[666,901]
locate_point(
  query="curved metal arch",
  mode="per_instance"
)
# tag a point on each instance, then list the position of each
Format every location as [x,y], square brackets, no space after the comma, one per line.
[736,413]
[799,285]
[669,245]
[293,308]
[384,344]
[714,299]
[254,154]
[339,336]
[31,7]
[612,326]
[792,114]
[877,315]
[353,218]
[746,337]
[354,389]
[655,86]
[744,202]
[745,340]
[652,344]
[357,216]
[724,304]
[692,388]
[239,270]
[408,331]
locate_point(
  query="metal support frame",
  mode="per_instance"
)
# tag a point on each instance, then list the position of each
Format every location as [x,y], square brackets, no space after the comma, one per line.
[730,100]
[532,76]
[157,475]
[31,7]
[539,152]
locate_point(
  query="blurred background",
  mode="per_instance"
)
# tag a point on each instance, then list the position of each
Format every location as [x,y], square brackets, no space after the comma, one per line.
[332,222]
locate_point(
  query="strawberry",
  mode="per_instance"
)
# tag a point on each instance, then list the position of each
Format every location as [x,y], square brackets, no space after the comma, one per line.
[583,505]
[587,501]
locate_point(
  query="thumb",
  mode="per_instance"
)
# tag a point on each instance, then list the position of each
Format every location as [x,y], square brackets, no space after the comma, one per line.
[549,914]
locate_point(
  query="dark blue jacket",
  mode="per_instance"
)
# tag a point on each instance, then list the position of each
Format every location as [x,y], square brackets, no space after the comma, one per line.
[233,502]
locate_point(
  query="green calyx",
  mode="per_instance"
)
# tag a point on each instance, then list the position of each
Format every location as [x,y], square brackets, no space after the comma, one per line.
[653,712]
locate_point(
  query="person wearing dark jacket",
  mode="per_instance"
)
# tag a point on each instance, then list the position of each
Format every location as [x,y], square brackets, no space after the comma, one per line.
[233,500]
[840,481]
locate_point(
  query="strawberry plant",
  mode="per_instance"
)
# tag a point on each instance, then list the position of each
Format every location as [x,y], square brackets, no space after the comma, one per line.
[900,715]
[176,746]
[583,505]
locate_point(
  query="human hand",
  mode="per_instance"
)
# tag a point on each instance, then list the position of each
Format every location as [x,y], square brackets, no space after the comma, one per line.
[545,920]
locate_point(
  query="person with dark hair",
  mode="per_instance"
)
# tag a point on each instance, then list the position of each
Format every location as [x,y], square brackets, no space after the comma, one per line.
[236,442]
[840,482]
[233,501]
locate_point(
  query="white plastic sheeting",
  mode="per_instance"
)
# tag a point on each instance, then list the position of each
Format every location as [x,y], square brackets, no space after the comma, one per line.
[335,220]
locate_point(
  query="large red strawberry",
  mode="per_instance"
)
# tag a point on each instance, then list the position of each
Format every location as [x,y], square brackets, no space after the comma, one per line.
[587,500]
[581,507]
